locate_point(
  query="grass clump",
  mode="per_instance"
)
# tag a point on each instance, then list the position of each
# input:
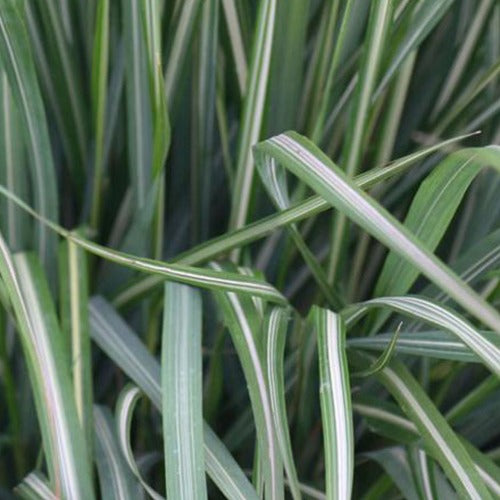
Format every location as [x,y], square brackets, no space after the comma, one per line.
[249,249]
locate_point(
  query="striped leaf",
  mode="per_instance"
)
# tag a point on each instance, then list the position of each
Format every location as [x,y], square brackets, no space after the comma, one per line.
[115,480]
[487,349]
[387,421]
[18,64]
[182,393]
[125,406]
[299,211]
[253,110]
[306,161]
[73,272]
[244,324]
[123,346]
[446,447]
[335,398]
[275,341]
[48,366]
[35,486]
[204,278]
[432,210]
[435,344]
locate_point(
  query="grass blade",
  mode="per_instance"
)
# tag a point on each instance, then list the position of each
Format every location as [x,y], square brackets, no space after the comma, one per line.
[74,305]
[139,116]
[335,398]
[487,349]
[243,321]
[125,406]
[275,340]
[435,344]
[35,486]
[302,158]
[182,393]
[116,482]
[204,278]
[378,26]
[100,58]
[430,214]
[438,435]
[18,63]
[123,346]
[13,169]
[253,111]
[299,211]
[48,365]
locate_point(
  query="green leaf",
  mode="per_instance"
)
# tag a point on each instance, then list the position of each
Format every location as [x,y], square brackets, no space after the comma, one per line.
[182,393]
[204,278]
[125,406]
[18,63]
[253,109]
[115,480]
[306,161]
[123,346]
[14,173]
[139,114]
[431,212]
[434,344]
[244,323]
[73,272]
[487,350]
[275,340]
[299,211]
[35,486]
[100,58]
[335,398]
[48,366]
[436,432]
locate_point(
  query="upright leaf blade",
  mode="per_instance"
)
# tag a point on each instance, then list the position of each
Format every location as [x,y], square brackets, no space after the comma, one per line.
[18,63]
[48,366]
[335,398]
[182,394]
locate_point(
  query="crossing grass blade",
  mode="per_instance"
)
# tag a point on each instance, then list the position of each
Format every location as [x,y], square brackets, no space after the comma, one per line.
[301,157]
[335,399]
[182,393]
[487,349]
[247,234]
[205,278]
[432,210]
[435,344]
[387,420]
[438,435]
[35,487]
[48,365]
[115,479]
[123,346]
[18,64]
[244,324]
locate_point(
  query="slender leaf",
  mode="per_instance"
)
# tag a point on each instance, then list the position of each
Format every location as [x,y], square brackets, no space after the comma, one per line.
[123,346]
[335,403]
[303,159]
[182,394]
